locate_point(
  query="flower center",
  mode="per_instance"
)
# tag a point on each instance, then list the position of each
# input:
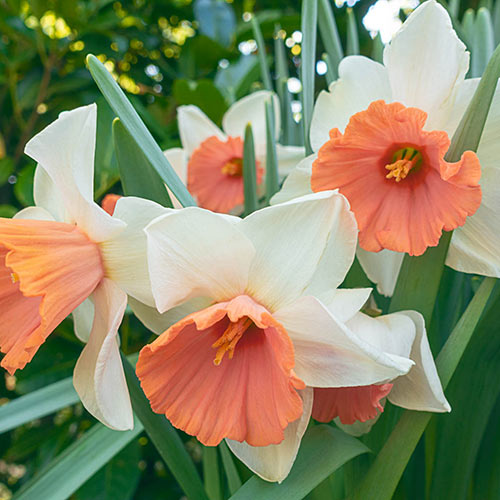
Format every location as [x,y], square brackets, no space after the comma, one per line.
[403,160]
[234,167]
[228,340]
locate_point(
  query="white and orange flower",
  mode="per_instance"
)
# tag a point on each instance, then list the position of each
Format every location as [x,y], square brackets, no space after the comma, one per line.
[261,322]
[56,255]
[210,161]
[380,134]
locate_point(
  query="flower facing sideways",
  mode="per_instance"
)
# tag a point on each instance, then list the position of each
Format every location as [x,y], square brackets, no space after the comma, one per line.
[210,162]
[56,255]
[394,123]
[261,323]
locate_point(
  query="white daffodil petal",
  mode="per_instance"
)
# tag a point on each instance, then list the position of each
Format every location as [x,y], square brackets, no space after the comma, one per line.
[83,319]
[194,252]
[426,59]
[98,378]
[157,322]
[327,354]
[361,81]
[195,127]
[178,159]
[273,462]
[420,389]
[382,268]
[390,333]
[290,240]
[297,184]
[474,246]
[47,196]
[65,150]
[339,252]
[344,303]
[34,213]
[124,256]
[288,158]
[358,428]
[252,109]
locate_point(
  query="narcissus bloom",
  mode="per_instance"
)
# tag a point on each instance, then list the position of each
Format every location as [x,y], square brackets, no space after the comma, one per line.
[66,249]
[406,194]
[210,162]
[260,322]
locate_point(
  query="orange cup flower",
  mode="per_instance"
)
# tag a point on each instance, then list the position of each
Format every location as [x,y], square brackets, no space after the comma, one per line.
[394,175]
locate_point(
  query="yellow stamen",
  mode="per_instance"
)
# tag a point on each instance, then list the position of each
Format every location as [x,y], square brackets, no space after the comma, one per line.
[14,277]
[403,161]
[234,167]
[228,340]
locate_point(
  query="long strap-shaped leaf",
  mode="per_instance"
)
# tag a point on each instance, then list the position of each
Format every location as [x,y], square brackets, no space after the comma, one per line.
[308,65]
[141,135]
[419,278]
[264,67]
[323,450]
[138,176]
[77,463]
[165,438]
[383,476]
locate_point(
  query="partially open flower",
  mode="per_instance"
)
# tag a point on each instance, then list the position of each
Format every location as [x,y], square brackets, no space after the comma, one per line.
[210,162]
[67,255]
[260,322]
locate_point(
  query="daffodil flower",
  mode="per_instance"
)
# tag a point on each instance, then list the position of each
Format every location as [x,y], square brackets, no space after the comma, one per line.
[380,134]
[210,161]
[260,323]
[57,254]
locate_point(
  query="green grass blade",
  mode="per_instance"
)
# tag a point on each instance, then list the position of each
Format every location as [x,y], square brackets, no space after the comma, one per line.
[383,476]
[468,23]
[330,37]
[264,67]
[483,42]
[454,8]
[211,473]
[496,22]
[138,176]
[308,65]
[272,176]
[77,463]
[136,128]
[323,450]
[352,46]
[37,404]
[165,438]
[233,478]
[419,278]
[378,49]
[282,76]
[249,173]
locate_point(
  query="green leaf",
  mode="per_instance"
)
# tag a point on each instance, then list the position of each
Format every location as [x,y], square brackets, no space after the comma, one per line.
[235,80]
[419,278]
[138,176]
[378,49]
[215,19]
[352,47]
[264,68]
[233,478]
[383,476]
[483,42]
[453,8]
[136,128]
[496,22]
[77,463]
[249,173]
[272,176]
[472,394]
[37,404]
[117,479]
[308,65]
[23,188]
[211,474]
[468,23]
[323,450]
[330,37]
[203,94]
[165,438]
